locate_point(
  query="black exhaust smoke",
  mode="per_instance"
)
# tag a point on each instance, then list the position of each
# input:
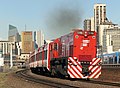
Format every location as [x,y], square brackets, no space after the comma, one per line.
[63,19]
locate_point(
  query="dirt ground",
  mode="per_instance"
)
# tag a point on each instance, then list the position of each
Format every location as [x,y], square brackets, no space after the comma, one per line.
[10,80]
[110,74]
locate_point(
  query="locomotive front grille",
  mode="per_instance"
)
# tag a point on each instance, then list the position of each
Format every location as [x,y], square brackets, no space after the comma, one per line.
[85,58]
[85,68]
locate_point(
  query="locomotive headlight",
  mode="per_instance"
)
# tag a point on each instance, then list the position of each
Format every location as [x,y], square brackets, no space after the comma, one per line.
[69,61]
[75,59]
[93,37]
[100,63]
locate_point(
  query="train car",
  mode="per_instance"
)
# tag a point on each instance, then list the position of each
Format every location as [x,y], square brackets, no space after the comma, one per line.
[72,55]
[111,58]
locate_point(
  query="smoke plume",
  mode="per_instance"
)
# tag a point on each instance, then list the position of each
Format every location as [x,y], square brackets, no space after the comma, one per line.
[62,20]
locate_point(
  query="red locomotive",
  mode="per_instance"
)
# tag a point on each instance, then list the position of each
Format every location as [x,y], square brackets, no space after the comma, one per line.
[72,55]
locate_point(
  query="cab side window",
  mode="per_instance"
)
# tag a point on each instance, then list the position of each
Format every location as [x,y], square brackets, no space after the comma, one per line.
[71,50]
[55,46]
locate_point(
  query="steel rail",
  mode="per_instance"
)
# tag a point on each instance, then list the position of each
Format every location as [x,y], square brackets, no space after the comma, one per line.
[110,65]
[23,74]
[102,82]
[106,83]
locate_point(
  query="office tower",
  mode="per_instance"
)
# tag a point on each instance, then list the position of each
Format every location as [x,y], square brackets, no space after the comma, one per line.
[111,39]
[89,24]
[38,39]
[13,35]
[27,42]
[99,15]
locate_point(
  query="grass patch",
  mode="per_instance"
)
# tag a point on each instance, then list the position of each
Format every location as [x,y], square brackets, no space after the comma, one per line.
[3,78]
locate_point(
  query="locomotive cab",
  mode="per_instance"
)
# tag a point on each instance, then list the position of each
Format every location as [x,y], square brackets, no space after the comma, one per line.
[84,49]
[84,45]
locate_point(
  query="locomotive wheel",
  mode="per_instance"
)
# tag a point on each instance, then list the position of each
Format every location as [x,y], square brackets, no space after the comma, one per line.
[68,77]
[61,76]
[88,79]
[33,70]
[41,71]
[53,73]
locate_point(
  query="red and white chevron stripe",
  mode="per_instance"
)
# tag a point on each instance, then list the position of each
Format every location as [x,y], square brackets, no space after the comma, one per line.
[95,68]
[74,68]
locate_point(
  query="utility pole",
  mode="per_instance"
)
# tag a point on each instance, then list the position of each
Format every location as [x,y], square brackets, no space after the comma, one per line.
[11,61]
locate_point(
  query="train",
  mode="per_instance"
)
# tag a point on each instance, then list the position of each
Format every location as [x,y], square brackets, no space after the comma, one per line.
[72,55]
[111,58]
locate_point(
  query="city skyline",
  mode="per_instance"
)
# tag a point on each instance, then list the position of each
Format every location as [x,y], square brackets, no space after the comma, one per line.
[34,14]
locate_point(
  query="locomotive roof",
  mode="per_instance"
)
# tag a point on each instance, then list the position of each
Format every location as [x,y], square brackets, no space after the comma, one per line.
[74,30]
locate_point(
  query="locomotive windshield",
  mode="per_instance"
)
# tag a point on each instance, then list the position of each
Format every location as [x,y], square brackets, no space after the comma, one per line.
[90,32]
[80,32]
[87,33]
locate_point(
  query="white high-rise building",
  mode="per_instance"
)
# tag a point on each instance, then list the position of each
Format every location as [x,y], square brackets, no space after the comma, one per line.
[111,38]
[92,24]
[102,27]
[99,15]
[38,38]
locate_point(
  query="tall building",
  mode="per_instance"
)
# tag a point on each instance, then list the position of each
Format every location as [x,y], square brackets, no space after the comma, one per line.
[99,15]
[38,39]
[102,27]
[89,24]
[13,35]
[111,39]
[92,24]
[27,42]
[99,18]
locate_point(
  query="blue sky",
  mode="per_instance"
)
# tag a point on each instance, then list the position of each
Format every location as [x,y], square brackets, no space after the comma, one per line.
[41,14]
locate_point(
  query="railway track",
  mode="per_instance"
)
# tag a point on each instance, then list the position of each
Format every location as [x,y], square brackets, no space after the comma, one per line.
[23,74]
[110,65]
[95,81]
[105,83]
[115,84]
